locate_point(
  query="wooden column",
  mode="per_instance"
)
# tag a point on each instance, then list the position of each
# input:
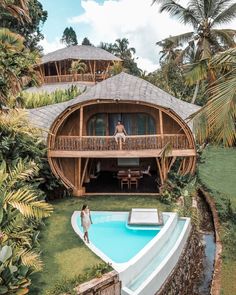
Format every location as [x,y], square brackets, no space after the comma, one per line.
[41,72]
[90,67]
[58,74]
[79,176]
[161,127]
[81,115]
[94,71]
[106,71]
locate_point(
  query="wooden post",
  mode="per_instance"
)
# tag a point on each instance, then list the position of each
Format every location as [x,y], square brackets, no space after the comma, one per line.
[81,121]
[161,127]
[84,171]
[58,74]
[106,71]
[41,72]
[90,67]
[94,71]
[160,171]
[49,70]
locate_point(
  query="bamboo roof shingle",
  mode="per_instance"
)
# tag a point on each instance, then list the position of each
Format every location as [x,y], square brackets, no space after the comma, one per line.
[120,87]
[81,52]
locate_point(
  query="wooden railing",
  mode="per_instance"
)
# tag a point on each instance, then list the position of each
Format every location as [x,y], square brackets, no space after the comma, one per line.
[75,77]
[108,143]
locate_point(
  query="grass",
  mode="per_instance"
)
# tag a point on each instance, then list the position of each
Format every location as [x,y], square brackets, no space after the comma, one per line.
[64,254]
[217,172]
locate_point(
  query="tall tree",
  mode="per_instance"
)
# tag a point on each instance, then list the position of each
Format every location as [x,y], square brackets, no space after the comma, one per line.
[216,120]
[31,30]
[106,46]
[203,16]
[122,50]
[69,37]
[86,42]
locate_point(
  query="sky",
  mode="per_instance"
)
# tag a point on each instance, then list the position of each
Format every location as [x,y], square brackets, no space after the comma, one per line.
[108,20]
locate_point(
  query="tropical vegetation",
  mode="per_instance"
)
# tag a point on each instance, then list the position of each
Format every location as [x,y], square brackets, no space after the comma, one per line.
[31,100]
[122,50]
[216,120]
[69,37]
[204,41]
[22,203]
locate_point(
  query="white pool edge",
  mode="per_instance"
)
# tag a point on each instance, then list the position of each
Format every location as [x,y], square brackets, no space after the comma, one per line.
[158,277]
[130,265]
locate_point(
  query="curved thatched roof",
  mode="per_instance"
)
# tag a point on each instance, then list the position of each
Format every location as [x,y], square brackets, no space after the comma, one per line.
[82,52]
[119,87]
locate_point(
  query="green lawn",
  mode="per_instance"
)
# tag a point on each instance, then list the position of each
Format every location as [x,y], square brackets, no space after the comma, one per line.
[63,252]
[218,173]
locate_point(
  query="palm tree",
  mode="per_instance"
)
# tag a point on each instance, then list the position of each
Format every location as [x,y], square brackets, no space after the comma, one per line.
[122,50]
[106,46]
[17,9]
[203,16]
[17,65]
[78,66]
[216,120]
[116,68]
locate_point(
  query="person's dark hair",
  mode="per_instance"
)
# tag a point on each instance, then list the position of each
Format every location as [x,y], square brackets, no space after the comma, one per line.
[119,121]
[84,206]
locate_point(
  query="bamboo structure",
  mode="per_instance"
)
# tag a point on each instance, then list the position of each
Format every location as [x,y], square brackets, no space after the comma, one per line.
[56,66]
[73,150]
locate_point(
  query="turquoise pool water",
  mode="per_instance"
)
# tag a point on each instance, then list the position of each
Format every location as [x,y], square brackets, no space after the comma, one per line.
[110,234]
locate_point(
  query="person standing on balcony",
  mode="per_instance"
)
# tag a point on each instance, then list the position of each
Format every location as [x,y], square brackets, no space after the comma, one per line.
[120,132]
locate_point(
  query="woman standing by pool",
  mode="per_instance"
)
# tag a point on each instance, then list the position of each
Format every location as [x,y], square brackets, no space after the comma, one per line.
[86,221]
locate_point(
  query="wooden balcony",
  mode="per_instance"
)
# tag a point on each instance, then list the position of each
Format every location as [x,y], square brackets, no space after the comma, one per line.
[74,78]
[106,146]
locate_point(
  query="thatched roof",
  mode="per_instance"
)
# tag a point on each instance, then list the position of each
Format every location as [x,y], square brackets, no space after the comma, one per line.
[82,52]
[119,87]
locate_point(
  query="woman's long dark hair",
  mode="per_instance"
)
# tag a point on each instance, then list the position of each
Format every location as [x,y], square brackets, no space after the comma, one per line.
[84,206]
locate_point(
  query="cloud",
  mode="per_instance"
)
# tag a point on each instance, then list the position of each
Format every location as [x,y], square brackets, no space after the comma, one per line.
[136,20]
[51,46]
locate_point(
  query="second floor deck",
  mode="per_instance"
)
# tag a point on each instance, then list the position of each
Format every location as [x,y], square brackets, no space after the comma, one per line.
[134,146]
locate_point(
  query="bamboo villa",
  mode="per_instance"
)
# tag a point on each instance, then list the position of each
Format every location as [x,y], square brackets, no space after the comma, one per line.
[55,67]
[83,153]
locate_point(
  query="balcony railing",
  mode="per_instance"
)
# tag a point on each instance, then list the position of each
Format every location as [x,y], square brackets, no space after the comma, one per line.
[108,143]
[74,78]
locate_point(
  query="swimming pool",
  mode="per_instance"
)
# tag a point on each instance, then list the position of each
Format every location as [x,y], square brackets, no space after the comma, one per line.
[111,235]
[143,256]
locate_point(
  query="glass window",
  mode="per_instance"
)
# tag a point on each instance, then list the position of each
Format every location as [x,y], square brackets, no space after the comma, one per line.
[135,123]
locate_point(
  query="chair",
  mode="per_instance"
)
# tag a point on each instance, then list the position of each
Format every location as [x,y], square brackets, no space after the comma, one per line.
[133,181]
[124,181]
[147,171]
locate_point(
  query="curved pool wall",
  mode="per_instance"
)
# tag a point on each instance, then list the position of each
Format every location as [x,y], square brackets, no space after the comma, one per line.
[133,272]
[155,273]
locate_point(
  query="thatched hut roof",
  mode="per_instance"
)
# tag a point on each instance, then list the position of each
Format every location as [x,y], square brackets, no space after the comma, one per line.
[81,52]
[119,87]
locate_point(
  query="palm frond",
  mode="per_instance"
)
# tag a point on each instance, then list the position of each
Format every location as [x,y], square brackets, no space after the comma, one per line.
[177,40]
[195,72]
[31,259]
[226,16]
[185,15]
[22,171]
[226,36]
[17,9]
[216,120]
[26,202]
